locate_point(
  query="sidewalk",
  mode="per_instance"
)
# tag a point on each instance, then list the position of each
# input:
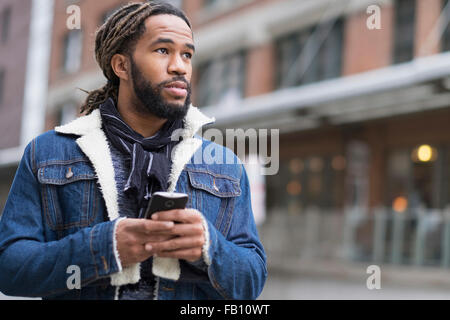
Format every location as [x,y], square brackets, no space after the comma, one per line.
[289,287]
[297,280]
[345,270]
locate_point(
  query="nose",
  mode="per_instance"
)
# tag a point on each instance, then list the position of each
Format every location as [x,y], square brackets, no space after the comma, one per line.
[177,66]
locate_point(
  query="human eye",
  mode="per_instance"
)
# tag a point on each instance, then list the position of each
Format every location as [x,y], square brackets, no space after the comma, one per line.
[187,55]
[162,50]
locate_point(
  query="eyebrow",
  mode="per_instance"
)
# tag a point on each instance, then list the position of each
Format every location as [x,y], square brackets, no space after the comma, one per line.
[164,40]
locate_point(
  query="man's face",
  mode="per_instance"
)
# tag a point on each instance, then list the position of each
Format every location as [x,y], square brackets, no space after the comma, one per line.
[161,68]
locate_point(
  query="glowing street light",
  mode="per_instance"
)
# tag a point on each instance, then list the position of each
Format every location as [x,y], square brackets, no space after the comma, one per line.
[424,153]
[400,204]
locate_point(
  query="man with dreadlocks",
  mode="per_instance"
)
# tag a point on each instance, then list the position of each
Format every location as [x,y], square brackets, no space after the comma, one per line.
[72,226]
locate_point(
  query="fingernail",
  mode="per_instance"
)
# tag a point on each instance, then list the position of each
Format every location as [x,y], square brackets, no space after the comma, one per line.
[169,224]
[148,247]
[155,217]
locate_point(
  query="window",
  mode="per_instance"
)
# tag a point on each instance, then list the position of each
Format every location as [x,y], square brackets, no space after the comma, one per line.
[446,182]
[416,189]
[222,6]
[405,12]
[109,13]
[220,79]
[5,24]
[311,182]
[311,55]
[67,113]
[446,34]
[2,85]
[72,51]
[175,3]
[212,3]
[415,178]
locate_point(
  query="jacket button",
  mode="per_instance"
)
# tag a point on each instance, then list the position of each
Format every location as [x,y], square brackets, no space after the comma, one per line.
[214,185]
[69,174]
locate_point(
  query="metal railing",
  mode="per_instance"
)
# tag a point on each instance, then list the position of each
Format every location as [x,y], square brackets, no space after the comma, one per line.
[419,237]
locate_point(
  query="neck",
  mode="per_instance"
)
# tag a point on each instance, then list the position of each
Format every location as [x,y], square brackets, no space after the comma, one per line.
[147,125]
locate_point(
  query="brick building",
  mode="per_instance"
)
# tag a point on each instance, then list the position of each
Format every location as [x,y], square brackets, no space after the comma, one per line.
[25,28]
[363,114]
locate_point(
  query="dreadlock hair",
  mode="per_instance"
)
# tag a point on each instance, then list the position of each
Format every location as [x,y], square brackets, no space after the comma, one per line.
[119,35]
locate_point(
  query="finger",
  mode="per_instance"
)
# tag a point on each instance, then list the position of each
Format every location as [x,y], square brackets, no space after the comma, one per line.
[148,247]
[178,243]
[145,225]
[139,239]
[191,255]
[179,229]
[158,238]
[183,216]
[150,227]
[187,230]
[140,252]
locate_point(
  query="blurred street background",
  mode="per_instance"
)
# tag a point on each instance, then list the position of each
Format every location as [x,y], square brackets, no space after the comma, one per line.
[358,89]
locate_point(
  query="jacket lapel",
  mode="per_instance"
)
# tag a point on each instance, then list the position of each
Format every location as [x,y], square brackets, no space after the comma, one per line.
[95,146]
[184,150]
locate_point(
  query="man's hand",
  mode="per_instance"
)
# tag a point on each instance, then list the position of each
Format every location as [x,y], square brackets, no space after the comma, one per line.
[186,238]
[132,235]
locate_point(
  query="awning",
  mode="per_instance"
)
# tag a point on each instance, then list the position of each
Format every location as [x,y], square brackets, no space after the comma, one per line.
[418,85]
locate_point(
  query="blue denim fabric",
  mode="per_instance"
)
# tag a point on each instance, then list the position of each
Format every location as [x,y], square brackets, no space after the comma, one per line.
[55,217]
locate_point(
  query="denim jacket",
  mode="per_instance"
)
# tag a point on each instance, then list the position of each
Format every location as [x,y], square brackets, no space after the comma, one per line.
[62,210]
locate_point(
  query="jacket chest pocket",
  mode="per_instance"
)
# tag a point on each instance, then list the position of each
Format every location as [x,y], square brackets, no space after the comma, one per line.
[214,195]
[70,198]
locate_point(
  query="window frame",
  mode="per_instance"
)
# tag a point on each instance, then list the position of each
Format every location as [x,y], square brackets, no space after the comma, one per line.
[445,40]
[404,31]
[305,42]
[211,91]
[5,24]
[67,69]
[2,85]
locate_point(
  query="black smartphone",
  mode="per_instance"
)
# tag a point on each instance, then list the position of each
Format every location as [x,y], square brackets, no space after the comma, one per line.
[166,201]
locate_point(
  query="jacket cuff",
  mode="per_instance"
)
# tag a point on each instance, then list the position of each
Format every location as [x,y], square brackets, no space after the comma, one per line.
[102,248]
[129,275]
[169,268]
[124,276]
[116,251]
[206,246]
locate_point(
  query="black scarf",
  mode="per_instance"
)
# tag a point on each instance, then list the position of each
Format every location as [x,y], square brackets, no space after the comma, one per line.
[150,157]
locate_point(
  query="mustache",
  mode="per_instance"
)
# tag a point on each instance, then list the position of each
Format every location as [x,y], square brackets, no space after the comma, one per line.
[179,78]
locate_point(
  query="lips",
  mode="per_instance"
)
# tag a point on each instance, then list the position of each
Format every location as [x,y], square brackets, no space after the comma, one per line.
[177,84]
[177,88]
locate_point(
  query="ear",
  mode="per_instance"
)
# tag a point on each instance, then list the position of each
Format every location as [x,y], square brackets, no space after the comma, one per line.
[120,66]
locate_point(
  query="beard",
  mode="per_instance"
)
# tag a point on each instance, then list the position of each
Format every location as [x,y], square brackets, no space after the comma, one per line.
[151,100]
